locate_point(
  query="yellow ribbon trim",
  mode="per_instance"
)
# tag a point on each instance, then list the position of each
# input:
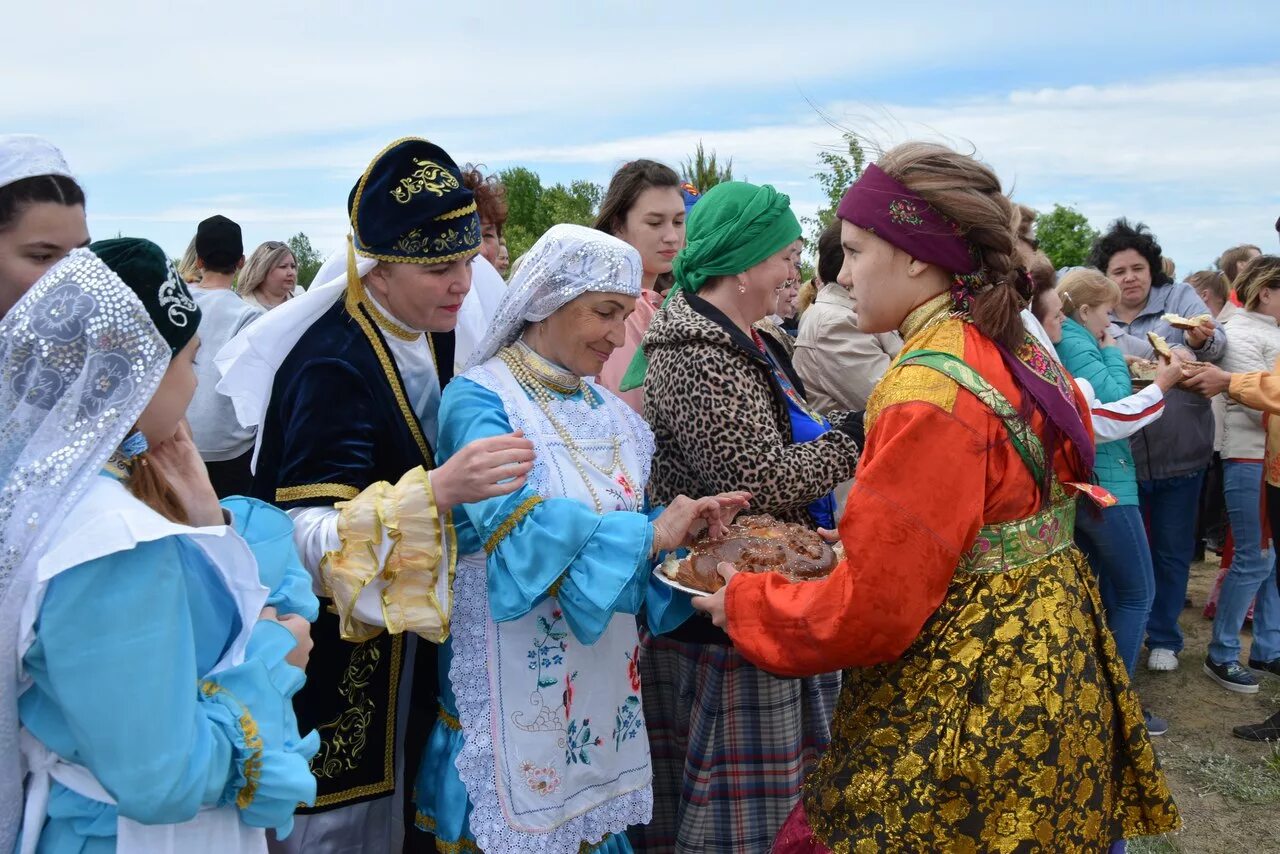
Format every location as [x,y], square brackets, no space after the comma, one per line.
[406,514]
[508,525]
[339,491]
[252,740]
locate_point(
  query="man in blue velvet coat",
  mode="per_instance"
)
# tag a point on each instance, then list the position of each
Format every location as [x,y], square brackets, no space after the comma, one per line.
[345,447]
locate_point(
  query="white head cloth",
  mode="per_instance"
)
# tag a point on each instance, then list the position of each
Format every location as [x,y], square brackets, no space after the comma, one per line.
[566,262]
[249,361]
[25,156]
[79,360]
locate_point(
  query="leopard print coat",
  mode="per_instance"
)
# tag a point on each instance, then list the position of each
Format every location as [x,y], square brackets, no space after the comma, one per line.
[721,420]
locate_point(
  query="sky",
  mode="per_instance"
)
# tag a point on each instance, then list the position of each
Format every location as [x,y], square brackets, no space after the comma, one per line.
[268,111]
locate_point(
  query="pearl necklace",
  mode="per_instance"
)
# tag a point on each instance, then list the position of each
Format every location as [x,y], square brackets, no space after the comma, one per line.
[536,386]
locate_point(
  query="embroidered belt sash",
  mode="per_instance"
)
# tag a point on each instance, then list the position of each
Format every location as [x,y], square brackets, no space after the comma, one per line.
[1013,545]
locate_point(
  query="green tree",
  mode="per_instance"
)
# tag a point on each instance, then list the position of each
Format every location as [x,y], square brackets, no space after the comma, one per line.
[308,258]
[1065,236]
[840,170]
[702,171]
[533,208]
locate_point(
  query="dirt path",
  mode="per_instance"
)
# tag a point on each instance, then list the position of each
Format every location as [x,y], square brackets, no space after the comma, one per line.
[1228,790]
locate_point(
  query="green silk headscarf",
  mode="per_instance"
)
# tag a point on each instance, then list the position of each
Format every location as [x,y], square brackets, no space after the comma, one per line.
[733,227]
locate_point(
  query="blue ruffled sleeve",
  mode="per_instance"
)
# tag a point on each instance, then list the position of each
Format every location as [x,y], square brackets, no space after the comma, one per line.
[269,533]
[600,563]
[120,642]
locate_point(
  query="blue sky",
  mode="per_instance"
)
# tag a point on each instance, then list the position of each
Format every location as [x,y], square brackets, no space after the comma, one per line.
[268,111]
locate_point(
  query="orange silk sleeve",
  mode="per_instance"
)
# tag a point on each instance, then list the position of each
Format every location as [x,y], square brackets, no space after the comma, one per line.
[916,506]
[1259,390]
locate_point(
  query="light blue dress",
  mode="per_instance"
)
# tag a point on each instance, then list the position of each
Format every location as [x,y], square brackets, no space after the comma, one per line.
[606,569]
[120,643]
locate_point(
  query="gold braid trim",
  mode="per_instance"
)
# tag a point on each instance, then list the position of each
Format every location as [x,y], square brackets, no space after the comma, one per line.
[339,491]
[252,740]
[417,596]
[386,324]
[439,259]
[460,212]
[509,524]
[457,847]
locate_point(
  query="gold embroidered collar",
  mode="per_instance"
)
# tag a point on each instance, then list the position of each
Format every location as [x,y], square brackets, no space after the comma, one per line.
[548,373]
[387,323]
[933,311]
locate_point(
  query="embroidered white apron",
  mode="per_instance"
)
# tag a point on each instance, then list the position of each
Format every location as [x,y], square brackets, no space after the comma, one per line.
[555,751]
[108,520]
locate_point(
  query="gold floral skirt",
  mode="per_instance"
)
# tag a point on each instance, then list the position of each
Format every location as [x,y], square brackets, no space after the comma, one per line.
[1009,725]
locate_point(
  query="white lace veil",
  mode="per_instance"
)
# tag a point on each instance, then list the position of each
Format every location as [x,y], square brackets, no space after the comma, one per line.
[79,360]
[566,262]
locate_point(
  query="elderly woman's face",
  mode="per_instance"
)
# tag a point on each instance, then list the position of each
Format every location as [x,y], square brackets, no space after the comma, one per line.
[1130,270]
[761,284]
[583,333]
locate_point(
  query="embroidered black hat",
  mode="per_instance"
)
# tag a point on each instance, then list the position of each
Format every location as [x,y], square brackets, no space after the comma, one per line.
[219,242]
[150,274]
[410,205]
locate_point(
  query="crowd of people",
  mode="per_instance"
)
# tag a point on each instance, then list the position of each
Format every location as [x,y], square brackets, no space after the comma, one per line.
[369,565]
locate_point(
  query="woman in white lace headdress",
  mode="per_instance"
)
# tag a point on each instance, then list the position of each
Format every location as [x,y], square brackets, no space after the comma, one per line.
[160,635]
[541,744]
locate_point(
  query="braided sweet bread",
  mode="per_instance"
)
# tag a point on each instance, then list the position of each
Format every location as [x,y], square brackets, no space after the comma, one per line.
[754,544]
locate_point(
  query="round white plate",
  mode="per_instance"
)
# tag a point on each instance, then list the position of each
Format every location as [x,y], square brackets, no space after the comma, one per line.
[670,582]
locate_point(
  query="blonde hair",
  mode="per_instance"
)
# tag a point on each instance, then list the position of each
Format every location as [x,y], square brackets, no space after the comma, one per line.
[262,261]
[1260,274]
[808,293]
[1235,257]
[1167,265]
[189,266]
[1085,286]
[967,192]
[1213,281]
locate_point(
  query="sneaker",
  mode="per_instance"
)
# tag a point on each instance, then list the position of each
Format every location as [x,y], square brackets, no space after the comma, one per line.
[1162,660]
[1268,730]
[1155,725]
[1272,667]
[1232,676]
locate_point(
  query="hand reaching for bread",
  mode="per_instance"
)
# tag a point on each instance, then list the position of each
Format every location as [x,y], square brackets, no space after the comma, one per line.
[685,518]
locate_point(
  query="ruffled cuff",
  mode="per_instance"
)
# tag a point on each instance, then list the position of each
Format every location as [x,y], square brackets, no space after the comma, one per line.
[270,766]
[268,531]
[394,533]
[609,576]
[665,608]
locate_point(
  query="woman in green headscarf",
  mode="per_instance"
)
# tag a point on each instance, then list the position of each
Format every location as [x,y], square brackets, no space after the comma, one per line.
[730,743]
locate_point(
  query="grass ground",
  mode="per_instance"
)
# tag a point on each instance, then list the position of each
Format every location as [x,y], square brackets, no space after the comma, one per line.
[1228,790]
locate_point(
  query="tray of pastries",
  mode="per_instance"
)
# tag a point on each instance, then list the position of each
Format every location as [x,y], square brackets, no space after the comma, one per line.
[758,543]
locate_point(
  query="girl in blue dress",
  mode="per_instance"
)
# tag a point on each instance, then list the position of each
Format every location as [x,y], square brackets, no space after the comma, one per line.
[164,634]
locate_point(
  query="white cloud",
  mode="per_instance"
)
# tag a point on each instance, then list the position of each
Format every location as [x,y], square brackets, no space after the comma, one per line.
[214,99]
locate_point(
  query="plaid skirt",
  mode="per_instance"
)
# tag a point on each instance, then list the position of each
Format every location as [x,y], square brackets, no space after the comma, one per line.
[731,746]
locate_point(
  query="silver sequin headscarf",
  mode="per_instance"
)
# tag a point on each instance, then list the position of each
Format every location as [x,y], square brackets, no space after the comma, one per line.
[566,262]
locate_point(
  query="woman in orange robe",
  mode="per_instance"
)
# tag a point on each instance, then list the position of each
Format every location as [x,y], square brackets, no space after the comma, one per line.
[984,706]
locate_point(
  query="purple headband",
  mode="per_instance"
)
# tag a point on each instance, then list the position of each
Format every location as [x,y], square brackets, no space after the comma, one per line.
[889,210]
